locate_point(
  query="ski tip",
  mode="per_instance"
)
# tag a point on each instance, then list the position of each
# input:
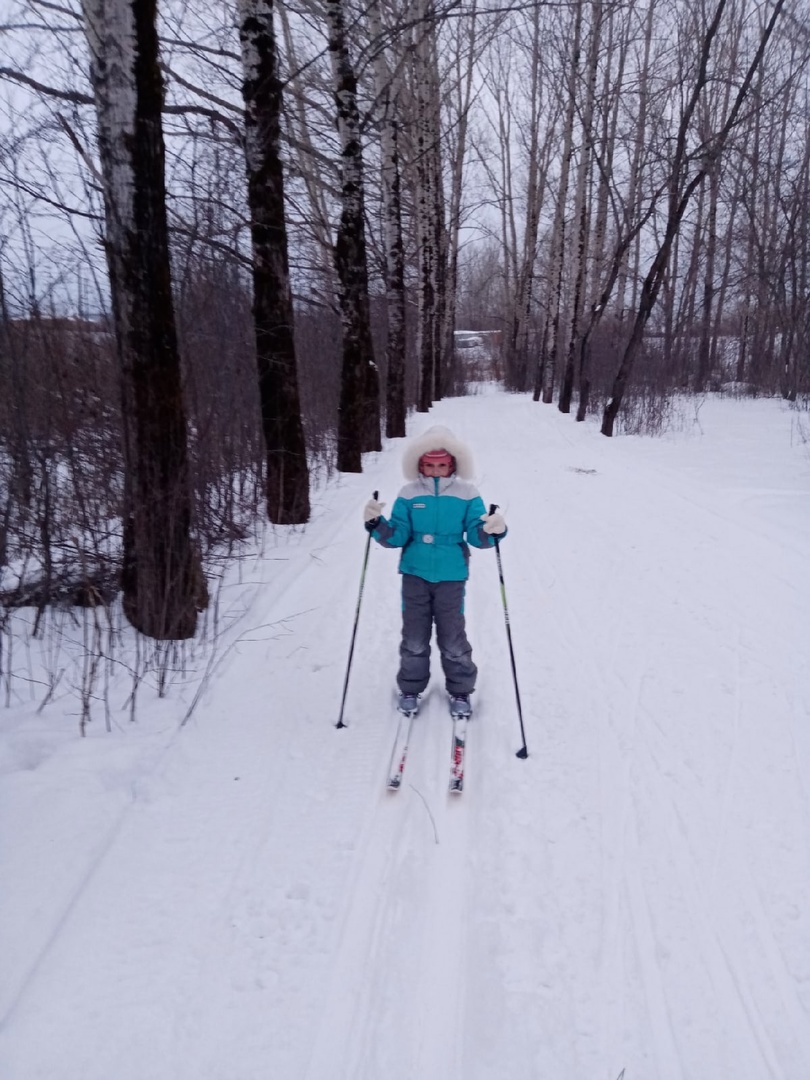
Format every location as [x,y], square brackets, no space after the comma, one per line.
[522,753]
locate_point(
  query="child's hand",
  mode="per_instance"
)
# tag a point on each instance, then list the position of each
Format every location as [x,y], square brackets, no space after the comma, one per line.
[372,510]
[494,524]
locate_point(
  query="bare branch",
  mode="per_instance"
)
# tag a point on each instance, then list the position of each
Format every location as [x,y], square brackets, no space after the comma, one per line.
[73,96]
[228,106]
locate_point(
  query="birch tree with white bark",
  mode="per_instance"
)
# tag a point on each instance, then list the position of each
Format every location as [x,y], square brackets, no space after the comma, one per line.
[387,64]
[161,579]
[359,410]
[427,177]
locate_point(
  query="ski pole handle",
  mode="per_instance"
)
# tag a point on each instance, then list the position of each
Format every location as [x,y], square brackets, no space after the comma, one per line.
[492,508]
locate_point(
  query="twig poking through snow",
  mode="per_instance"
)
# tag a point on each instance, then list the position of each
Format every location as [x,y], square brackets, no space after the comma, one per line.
[430,815]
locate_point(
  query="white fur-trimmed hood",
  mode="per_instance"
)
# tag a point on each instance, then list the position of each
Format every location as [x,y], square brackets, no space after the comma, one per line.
[437,438]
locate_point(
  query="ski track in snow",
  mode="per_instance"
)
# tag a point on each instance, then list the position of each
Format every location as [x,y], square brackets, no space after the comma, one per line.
[247,900]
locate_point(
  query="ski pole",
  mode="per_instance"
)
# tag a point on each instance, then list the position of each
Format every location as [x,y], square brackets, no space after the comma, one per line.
[340,723]
[523,752]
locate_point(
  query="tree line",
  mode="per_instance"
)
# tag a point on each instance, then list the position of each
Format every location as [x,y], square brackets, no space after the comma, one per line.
[236,241]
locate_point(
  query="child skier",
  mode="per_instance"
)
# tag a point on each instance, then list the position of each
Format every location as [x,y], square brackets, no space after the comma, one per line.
[435,516]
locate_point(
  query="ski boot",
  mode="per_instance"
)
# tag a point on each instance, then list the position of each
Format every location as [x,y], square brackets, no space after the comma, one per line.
[408,703]
[460,706]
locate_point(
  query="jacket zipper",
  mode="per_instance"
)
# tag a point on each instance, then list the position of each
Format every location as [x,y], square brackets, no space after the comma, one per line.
[436,526]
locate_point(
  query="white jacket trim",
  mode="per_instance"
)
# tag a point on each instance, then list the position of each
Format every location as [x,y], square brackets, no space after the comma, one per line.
[437,438]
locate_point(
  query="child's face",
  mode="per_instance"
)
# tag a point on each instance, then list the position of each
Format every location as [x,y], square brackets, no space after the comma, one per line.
[431,469]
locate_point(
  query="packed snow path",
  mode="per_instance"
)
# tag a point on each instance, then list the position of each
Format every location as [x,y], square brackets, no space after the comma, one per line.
[242,899]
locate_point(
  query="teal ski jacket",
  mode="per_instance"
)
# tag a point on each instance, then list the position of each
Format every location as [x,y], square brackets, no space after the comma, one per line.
[434,520]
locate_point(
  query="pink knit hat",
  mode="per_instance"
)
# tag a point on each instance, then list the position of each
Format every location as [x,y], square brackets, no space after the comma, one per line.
[437,457]
[435,438]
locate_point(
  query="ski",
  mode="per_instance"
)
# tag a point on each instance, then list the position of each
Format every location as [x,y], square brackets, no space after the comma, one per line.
[399,754]
[457,750]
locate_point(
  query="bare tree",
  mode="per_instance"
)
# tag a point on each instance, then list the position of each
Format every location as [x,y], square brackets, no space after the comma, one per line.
[539,160]
[628,273]
[462,90]
[359,410]
[287,472]
[681,189]
[426,198]
[387,86]
[581,217]
[161,579]
[555,330]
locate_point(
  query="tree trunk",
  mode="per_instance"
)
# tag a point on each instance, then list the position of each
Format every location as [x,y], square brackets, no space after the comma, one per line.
[516,338]
[359,407]
[440,241]
[555,327]
[287,472]
[428,255]
[709,288]
[311,163]
[611,95]
[161,578]
[396,404]
[679,341]
[634,197]
[725,276]
[17,440]
[386,91]
[752,183]
[458,154]
[581,210]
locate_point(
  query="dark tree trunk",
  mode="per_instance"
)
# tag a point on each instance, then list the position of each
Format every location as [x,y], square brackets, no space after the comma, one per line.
[287,470]
[161,578]
[649,294]
[359,407]
[704,349]
[582,213]
[596,317]
[553,333]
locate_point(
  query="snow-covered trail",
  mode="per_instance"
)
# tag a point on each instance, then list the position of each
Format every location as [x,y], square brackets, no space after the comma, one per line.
[248,901]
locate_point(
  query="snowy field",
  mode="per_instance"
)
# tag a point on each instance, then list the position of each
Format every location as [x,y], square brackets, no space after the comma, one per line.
[240,899]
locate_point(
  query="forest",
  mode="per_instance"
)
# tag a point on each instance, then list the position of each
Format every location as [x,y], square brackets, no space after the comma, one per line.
[240,243]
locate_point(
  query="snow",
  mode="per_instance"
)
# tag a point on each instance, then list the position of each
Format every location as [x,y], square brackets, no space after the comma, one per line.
[239,897]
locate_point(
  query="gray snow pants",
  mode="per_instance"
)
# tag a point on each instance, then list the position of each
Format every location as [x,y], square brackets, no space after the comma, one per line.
[423,603]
